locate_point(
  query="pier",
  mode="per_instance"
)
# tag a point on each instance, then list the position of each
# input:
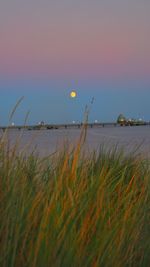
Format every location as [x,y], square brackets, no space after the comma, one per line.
[68,126]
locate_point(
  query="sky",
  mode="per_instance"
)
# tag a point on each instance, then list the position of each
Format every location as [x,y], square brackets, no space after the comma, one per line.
[100,48]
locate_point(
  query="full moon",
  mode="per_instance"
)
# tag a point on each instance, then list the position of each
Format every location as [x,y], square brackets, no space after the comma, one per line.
[73,94]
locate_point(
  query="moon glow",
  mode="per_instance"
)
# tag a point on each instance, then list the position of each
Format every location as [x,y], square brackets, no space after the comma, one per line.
[73,94]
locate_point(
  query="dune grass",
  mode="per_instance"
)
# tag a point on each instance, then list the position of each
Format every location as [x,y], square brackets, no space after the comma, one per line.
[74,209]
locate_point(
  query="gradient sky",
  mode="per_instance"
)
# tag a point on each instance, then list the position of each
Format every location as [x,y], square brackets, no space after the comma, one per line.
[101,48]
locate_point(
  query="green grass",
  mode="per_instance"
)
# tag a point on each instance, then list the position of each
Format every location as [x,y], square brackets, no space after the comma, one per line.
[74,210]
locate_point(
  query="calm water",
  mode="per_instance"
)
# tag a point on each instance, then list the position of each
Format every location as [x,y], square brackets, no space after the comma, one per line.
[48,141]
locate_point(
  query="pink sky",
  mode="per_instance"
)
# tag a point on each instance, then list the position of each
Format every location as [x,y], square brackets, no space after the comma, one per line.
[85,38]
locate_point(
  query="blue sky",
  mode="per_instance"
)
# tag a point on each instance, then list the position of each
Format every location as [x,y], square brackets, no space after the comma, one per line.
[49,100]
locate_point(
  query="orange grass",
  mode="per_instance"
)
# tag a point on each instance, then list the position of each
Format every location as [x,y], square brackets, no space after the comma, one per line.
[70,210]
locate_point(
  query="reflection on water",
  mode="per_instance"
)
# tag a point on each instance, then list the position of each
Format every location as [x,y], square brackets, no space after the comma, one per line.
[48,141]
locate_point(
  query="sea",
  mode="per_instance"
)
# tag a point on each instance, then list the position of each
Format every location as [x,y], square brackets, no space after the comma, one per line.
[131,139]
